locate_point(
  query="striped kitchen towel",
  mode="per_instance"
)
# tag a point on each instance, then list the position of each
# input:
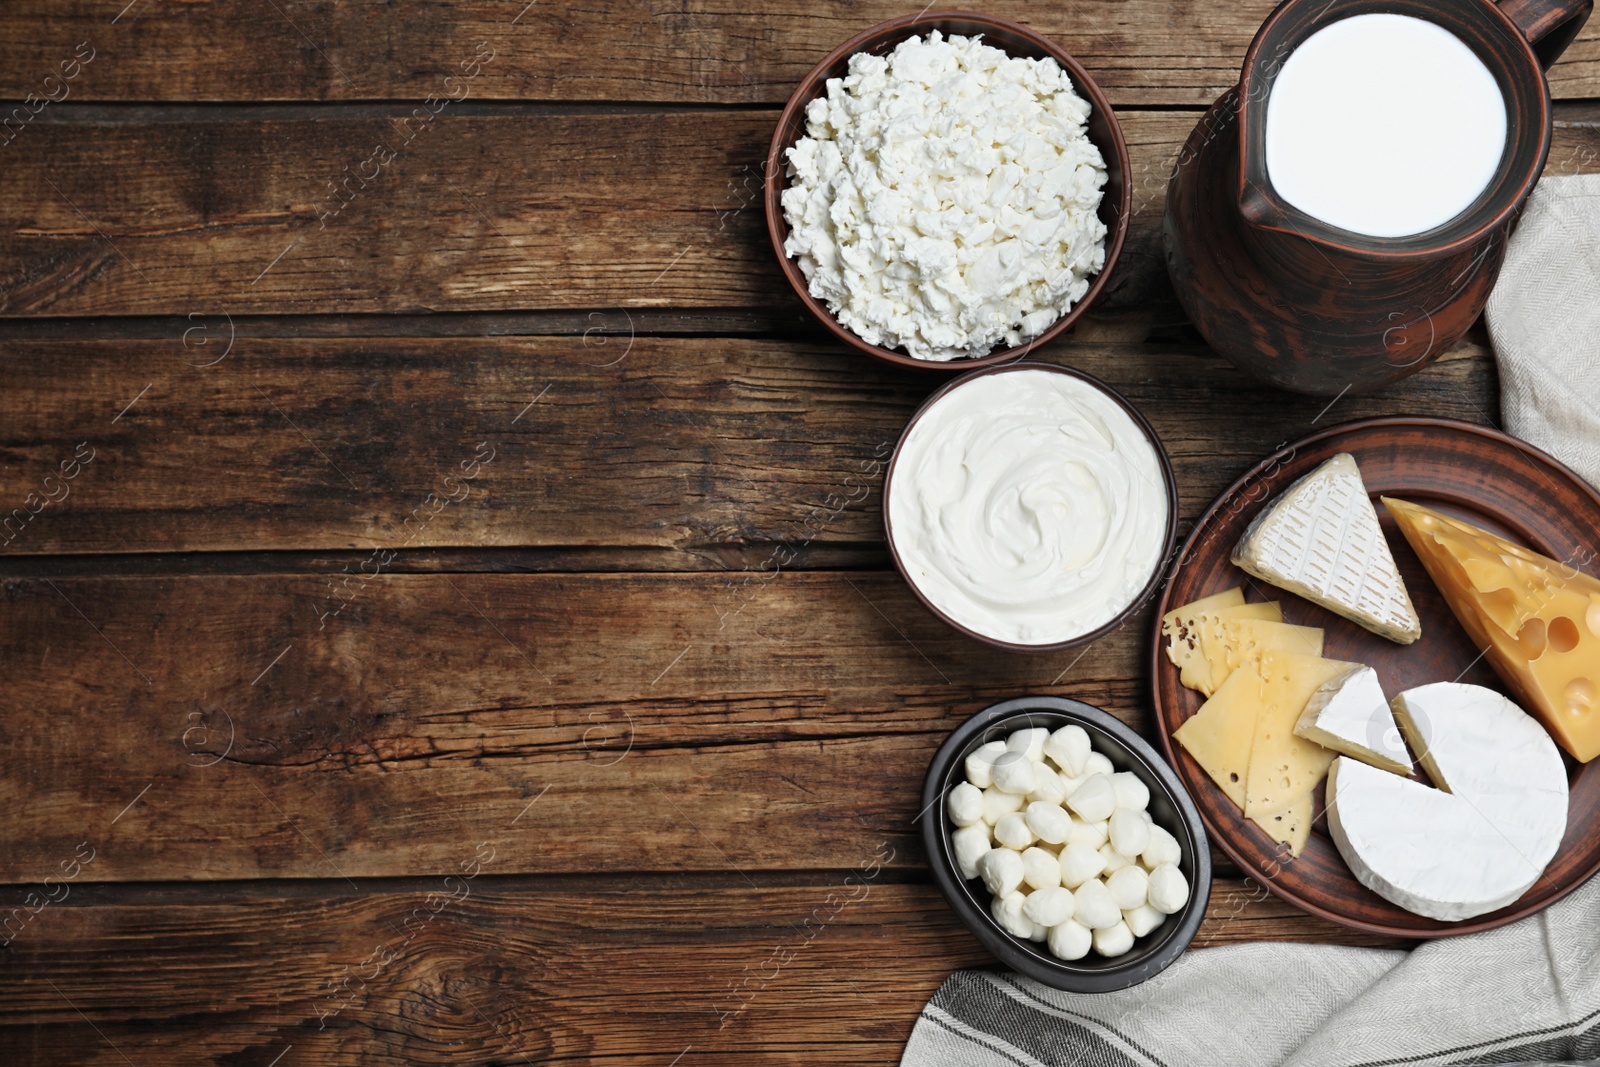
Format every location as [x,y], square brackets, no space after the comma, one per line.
[1525,993]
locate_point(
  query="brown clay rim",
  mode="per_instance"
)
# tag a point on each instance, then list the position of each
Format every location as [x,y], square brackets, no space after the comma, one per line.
[1156,576]
[1157,659]
[811,86]
[1290,219]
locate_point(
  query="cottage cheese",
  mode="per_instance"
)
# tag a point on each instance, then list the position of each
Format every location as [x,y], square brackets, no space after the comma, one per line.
[944,199]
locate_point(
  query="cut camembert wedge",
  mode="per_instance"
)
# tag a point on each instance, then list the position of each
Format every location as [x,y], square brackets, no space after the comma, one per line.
[1538,621]
[1349,714]
[1320,539]
[1478,841]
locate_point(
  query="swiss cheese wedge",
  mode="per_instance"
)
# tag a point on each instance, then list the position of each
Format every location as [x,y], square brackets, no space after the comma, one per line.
[1538,621]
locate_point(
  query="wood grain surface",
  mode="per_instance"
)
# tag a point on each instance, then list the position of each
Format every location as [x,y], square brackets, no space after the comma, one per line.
[1142,52]
[488,969]
[465,633]
[301,210]
[629,441]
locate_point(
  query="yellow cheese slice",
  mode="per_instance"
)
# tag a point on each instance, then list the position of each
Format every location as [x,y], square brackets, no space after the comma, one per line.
[1225,643]
[1291,826]
[1228,598]
[1220,734]
[1178,626]
[1537,620]
[1283,766]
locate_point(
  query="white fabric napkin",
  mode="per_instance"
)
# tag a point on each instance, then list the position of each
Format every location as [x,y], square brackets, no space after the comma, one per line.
[1544,321]
[1526,993]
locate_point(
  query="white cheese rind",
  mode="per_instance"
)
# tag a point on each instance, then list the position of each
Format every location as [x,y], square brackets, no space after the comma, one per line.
[1476,848]
[1421,848]
[1320,539]
[1478,744]
[1350,715]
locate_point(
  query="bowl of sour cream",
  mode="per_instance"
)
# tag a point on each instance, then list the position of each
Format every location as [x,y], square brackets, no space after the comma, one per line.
[1030,506]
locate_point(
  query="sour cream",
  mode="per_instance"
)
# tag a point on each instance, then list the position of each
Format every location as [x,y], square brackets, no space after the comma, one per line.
[1028,506]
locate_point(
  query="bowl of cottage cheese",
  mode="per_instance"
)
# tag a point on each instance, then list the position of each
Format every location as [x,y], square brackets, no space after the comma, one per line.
[947,191]
[1030,506]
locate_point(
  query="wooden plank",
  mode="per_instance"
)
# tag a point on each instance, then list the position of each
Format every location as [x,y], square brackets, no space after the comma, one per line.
[1141,52]
[286,726]
[225,211]
[244,727]
[486,969]
[341,445]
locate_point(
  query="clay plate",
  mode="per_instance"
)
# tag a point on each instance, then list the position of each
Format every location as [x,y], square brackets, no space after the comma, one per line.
[1473,472]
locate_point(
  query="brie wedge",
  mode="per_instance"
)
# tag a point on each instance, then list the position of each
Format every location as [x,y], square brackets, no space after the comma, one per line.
[1480,840]
[1349,714]
[1321,539]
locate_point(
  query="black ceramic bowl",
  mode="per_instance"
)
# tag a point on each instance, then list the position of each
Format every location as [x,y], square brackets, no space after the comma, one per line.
[1170,807]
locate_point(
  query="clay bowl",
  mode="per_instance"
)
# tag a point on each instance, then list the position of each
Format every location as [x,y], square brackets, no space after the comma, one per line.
[1015,40]
[1169,486]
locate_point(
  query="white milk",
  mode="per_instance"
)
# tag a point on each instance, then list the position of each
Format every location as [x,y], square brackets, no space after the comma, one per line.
[1386,125]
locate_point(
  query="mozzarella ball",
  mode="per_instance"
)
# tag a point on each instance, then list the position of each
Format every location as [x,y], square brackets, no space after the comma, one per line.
[1094,799]
[1012,772]
[1131,791]
[1049,822]
[1040,870]
[1079,864]
[1129,832]
[1128,886]
[1143,919]
[1113,940]
[969,844]
[1030,741]
[1098,764]
[1007,911]
[1093,906]
[1049,907]
[998,804]
[1012,831]
[965,804]
[1070,941]
[1163,848]
[1069,747]
[978,764]
[1115,860]
[1169,889]
[1069,785]
[1001,870]
[1093,834]
[1048,786]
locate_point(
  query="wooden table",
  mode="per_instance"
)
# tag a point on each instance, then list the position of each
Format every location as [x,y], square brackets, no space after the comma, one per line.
[445,618]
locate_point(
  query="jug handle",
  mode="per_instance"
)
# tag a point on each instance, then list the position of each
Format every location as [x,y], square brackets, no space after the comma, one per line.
[1548,25]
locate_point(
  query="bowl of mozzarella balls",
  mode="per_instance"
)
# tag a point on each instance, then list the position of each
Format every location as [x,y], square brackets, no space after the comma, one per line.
[1066,844]
[947,190]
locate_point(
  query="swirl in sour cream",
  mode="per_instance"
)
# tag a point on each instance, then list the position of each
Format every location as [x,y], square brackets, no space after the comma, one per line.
[1027,505]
